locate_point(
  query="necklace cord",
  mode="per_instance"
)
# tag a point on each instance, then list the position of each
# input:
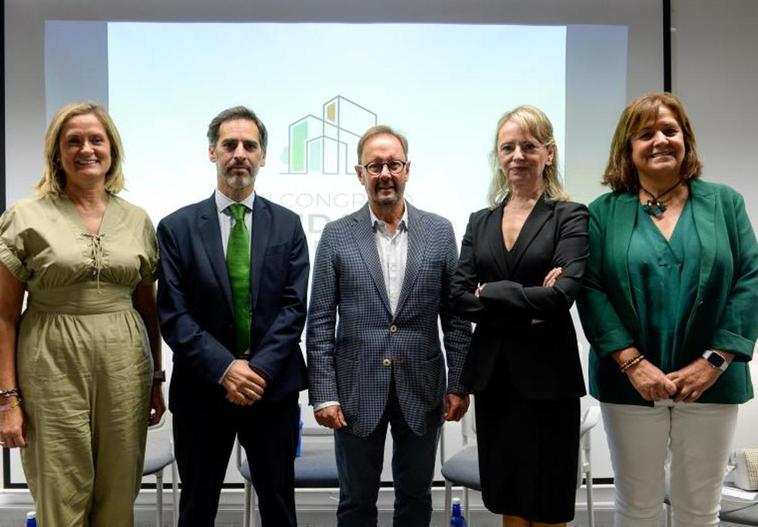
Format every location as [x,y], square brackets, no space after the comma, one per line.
[654,206]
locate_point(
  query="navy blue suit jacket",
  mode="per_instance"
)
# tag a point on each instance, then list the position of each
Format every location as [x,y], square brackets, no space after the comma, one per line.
[195,301]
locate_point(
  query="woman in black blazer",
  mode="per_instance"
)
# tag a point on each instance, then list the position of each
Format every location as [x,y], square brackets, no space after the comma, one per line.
[520,269]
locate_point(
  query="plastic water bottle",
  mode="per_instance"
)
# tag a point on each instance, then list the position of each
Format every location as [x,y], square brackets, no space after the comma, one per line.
[299,450]
[31,519]
[456,517]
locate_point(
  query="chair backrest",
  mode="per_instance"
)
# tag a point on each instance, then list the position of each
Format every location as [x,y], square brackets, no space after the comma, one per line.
[159,447]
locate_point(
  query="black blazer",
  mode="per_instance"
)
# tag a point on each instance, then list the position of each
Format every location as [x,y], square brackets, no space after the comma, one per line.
[195,300]
[515,316]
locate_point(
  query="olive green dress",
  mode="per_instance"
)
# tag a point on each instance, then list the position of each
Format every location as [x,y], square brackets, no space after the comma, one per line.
[83,357]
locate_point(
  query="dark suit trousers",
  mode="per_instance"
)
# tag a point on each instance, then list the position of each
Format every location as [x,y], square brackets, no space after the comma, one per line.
[203,441]
[359,467]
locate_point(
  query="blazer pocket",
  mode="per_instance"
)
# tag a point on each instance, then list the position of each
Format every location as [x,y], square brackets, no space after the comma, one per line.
[429,278]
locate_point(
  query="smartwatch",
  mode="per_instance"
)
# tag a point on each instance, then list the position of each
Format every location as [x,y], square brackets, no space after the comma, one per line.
[159,376]
[715,360]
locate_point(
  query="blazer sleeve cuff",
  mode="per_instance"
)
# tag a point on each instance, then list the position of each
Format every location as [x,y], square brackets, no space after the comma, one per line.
[457,389]
[325,404]
[611,342]
[727,341]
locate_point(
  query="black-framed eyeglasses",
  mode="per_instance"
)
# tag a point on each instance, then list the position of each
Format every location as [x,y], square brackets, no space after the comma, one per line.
[375,167]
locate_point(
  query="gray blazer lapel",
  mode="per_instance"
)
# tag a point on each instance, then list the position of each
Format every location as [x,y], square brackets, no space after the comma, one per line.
[417,243]
[365,240]
[210,235]
[260,235]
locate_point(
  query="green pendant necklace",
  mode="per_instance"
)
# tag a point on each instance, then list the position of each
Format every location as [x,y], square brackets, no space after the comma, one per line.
[654,206]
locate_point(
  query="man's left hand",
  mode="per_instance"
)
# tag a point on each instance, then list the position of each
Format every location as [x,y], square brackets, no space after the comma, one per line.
[455,406]
[244,386]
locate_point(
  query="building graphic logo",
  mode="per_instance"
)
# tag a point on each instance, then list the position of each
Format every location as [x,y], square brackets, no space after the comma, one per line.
[326,144]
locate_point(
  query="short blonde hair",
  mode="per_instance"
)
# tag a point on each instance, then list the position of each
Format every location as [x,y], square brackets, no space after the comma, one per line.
[620,172]
[53,179]
[533,121]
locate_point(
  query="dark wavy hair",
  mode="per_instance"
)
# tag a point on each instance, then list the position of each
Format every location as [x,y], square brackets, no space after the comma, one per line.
[620,173]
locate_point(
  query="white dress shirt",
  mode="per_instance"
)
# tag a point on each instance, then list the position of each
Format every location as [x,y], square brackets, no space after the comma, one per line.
[393,254]
[225,218]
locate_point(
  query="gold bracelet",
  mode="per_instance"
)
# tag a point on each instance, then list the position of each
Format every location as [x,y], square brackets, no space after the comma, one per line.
[631,362]
[9,406]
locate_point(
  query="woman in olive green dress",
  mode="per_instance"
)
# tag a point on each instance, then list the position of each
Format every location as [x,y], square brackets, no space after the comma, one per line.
[669,306]
[76,368]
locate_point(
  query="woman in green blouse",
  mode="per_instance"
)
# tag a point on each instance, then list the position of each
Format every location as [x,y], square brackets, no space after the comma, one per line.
[669,308]
[76,367]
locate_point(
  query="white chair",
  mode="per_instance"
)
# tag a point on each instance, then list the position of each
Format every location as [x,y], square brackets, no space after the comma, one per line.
[159,453]
[462,468]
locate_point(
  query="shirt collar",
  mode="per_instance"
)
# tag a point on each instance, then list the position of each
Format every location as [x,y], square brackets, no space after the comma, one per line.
[376,222]
[223,201]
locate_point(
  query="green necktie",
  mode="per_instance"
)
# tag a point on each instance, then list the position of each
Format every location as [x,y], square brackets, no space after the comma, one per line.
[238,266]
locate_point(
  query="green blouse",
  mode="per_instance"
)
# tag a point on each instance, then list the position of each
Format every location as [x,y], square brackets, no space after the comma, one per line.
[663,275]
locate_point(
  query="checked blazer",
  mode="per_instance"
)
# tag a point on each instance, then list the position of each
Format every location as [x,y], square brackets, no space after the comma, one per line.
[355,344]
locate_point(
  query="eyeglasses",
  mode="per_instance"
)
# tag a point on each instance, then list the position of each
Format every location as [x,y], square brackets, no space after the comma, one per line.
[375,167]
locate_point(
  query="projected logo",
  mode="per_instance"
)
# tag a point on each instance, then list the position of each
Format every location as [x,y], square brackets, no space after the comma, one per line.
[326,144]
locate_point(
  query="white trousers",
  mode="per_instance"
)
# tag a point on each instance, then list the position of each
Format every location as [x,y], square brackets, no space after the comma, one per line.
[697,437]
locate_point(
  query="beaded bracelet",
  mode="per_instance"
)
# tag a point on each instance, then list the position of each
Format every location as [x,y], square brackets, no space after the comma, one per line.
[13,392]
[631,362]
[9,406]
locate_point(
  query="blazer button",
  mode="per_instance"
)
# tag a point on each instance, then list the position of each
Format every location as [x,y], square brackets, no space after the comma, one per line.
[393,328]
[386,362]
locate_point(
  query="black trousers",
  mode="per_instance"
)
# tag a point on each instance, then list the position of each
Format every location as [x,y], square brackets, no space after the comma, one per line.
[203,442]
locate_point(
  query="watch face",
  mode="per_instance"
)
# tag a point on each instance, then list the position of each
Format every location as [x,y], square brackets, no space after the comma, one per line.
[716,359]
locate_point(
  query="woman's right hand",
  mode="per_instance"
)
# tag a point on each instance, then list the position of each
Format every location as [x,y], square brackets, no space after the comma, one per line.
[650,381]
[12,433]
[552,277]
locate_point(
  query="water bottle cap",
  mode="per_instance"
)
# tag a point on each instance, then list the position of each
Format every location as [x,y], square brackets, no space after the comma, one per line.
[456,501]
[30,515]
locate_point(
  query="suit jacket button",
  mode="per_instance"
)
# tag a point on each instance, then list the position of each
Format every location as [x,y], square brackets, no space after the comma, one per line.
[393,328]
[386,362]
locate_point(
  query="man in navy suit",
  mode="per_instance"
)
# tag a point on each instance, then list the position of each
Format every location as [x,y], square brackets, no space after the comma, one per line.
[386,270]
[219,387]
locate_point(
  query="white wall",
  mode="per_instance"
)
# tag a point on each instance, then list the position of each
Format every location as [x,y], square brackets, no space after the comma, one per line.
[715,72]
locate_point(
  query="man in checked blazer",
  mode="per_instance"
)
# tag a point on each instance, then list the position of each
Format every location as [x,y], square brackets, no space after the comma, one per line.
[381,281]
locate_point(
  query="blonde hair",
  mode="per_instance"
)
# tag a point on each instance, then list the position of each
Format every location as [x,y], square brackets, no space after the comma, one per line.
[53,179]
[620,172]
[533,121]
